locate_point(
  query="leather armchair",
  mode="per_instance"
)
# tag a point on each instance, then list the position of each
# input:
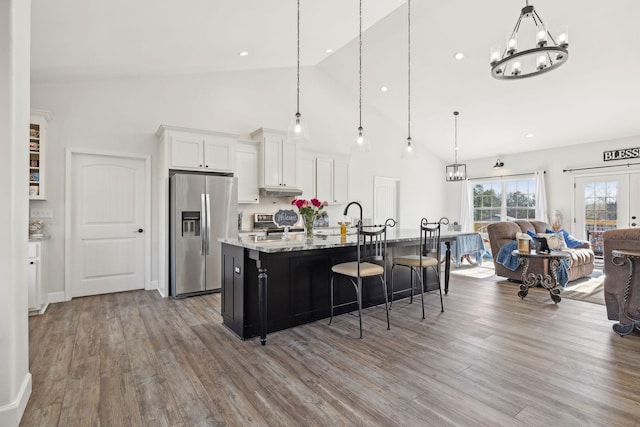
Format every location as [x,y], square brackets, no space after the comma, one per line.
[616,276]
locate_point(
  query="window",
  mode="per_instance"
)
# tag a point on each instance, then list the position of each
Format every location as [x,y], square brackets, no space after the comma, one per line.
[503,200]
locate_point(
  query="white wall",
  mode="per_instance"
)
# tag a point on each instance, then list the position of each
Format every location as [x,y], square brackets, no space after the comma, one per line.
[558,183]
[15,379]
[123,114]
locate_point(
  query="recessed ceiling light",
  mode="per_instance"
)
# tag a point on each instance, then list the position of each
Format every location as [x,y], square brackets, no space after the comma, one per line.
[328,50]
[243,53]
[529,135]
[384,88]
[459,56]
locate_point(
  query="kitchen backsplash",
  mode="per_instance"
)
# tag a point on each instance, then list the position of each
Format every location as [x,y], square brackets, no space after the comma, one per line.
[272,204]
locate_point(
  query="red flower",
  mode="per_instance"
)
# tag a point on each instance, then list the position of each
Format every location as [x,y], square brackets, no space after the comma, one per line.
[315,202]
[298,202]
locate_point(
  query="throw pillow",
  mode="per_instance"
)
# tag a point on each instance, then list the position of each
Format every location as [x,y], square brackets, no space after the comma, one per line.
[554,240]
[571,241]
[531,233]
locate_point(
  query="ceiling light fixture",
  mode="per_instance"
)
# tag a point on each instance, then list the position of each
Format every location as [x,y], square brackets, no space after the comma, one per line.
[297,131]
[360,141]
[409,147]
[529,135]
[456,171]
[498,164]
[548,54]
[384,88]
[243,53]
[459,56]
[328,50]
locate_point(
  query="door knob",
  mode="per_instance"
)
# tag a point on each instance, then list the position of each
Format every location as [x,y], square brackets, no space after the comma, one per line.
[140,230]
[633,224]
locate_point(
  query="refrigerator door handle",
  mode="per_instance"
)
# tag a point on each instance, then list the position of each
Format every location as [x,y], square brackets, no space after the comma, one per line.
[204,229]
[208,233]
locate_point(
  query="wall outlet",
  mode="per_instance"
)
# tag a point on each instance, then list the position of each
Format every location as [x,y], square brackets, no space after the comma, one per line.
[41,213]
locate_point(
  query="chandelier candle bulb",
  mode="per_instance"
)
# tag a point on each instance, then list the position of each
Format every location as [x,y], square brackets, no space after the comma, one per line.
[542,62]
[495,54]
[515,68]
[512,46]
[541,36]
[563,36]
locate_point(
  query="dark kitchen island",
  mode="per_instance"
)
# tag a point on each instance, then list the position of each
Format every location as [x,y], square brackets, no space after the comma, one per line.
[270,285]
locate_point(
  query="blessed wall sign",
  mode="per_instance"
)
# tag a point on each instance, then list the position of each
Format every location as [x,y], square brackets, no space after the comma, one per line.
[625,153]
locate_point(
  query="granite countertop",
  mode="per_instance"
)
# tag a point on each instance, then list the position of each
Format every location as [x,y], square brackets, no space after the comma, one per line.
[298,242]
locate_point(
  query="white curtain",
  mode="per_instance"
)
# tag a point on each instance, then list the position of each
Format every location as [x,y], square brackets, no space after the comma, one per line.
[466,206]
[541,198]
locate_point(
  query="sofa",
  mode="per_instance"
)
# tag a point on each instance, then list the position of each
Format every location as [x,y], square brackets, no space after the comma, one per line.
[582,259]
[616,276]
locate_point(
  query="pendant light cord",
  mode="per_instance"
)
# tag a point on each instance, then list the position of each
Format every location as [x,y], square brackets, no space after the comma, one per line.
[455,116]
[298,56]
[409,69]
[360,65]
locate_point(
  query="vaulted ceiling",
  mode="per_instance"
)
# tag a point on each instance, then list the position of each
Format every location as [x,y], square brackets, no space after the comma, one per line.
[594,96]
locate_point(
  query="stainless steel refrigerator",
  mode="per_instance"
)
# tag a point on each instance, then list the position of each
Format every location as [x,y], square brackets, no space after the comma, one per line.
[203,209]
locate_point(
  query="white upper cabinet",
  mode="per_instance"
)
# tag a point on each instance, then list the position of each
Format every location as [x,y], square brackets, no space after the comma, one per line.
[332,179]
[324,179]
[340,181]
[324,176]
[192,149]
[247,171]
[278,160]
[307,174]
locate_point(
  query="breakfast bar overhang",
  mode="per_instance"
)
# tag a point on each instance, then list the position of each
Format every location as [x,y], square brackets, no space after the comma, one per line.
[297,271]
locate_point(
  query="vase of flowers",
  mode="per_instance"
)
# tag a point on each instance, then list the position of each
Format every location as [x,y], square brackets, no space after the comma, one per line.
[309,210]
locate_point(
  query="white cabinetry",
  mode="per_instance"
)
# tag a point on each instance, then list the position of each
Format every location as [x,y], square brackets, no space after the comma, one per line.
[331,179]
[278,160]
[307,175]
[34,278]
[192,149]
[37,151]
[247,171]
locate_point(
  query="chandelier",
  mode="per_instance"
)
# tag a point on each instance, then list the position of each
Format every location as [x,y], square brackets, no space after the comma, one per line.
[297,130]
[456,171]
[545,55]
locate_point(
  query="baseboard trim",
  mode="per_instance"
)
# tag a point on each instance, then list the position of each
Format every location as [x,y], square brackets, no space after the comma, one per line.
[55,297]
[153,285]
[11,414]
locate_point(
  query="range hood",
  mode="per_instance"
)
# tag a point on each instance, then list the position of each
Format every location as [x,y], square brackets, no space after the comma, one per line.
[280,191]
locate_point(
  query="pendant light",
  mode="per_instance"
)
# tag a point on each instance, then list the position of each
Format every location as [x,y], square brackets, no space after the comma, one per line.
[360,141]
[456,171]
[297,130]
[409,147]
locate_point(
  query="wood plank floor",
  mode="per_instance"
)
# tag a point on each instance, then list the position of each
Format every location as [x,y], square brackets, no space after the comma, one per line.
[135,359]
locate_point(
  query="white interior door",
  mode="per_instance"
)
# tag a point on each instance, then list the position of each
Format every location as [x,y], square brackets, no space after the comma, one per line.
[107,224]
[385,199]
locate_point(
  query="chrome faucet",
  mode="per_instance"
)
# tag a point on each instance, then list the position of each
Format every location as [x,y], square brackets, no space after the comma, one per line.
[347,208]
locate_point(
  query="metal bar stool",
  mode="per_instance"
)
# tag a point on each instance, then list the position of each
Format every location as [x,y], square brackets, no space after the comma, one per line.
[428,257]
[371,257]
